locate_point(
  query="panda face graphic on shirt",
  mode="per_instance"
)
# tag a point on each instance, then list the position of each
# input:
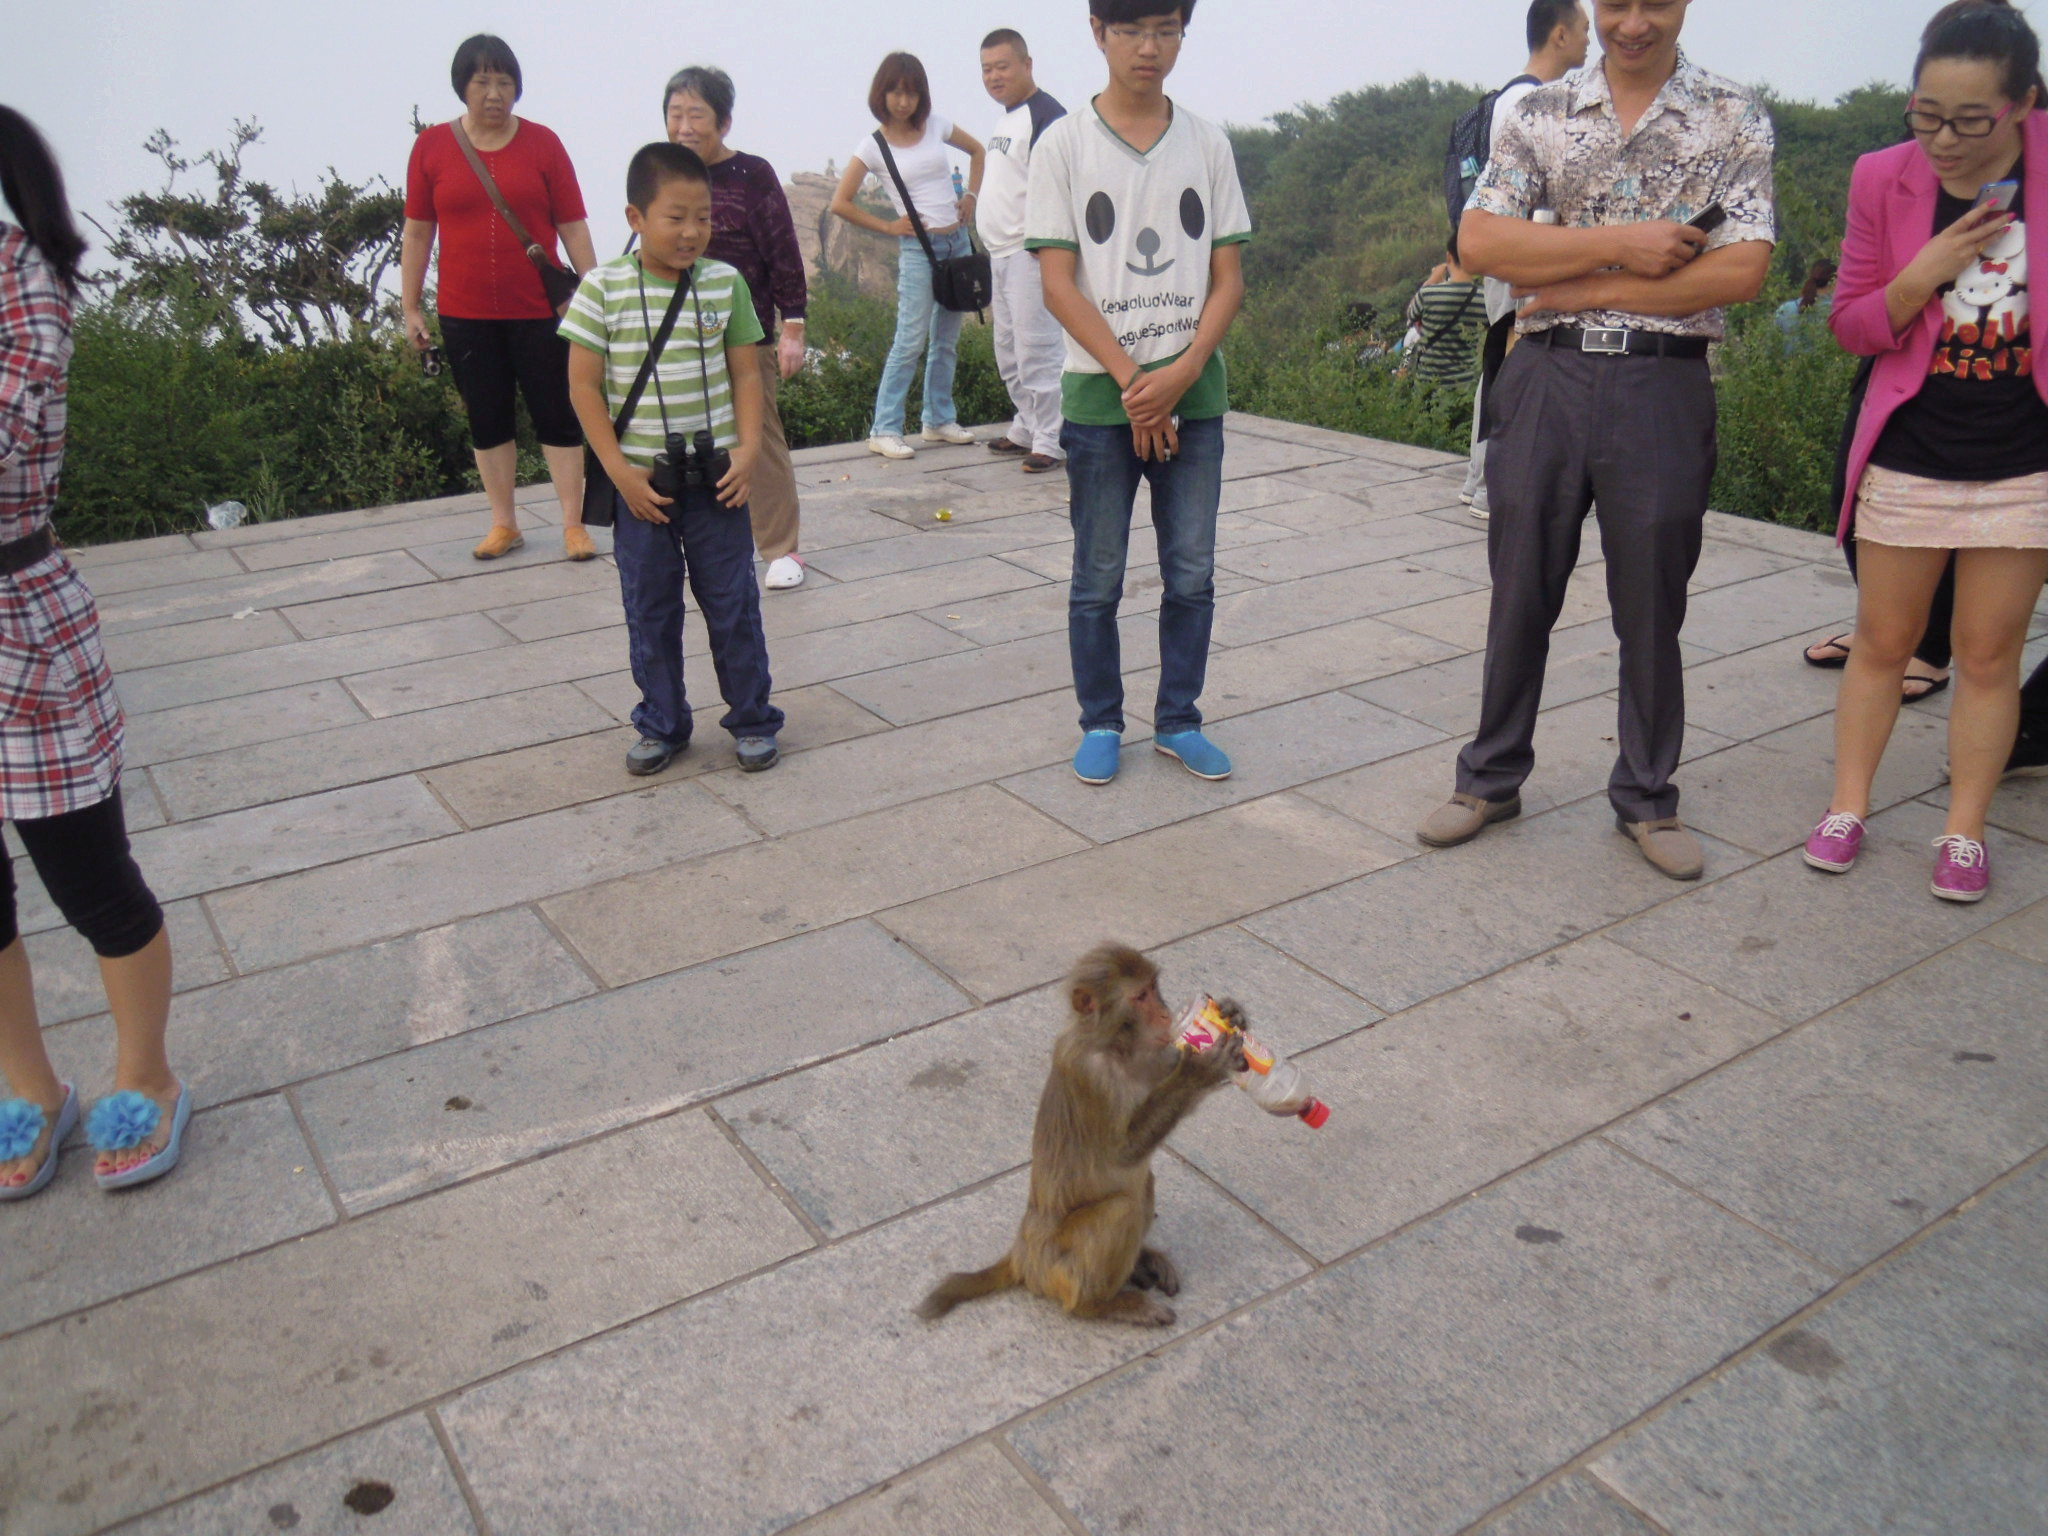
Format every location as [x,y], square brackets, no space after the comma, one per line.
[1150,245]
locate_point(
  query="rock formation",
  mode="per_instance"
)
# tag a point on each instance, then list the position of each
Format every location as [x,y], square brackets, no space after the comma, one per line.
[831,244]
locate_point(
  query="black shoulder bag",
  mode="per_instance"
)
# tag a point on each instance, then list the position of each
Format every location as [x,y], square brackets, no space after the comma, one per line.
[598,491]
[962,284]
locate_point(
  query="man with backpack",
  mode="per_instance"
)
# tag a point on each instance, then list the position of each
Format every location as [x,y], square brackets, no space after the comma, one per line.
[1559,34]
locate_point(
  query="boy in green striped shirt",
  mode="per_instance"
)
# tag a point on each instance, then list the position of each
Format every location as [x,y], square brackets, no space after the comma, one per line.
[705,381]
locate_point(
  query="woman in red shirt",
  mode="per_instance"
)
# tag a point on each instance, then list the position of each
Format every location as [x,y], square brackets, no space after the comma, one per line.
[495,316]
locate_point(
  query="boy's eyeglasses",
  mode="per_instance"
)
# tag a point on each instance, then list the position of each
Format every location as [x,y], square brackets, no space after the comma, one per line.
[1165,37]
[1925,125]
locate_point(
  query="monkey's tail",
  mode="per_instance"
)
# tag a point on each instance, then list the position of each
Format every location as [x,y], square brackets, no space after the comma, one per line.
[966,1285]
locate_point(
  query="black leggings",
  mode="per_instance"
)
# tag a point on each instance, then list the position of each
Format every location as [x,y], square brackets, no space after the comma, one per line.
[490,358]
[86,867]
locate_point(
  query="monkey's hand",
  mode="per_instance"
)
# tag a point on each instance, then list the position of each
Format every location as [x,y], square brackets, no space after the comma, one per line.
[1221,1062]
[1234,1014]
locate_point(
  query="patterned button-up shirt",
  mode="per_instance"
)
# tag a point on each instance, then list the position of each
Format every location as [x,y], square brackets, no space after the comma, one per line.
[1704,140]
[60,724]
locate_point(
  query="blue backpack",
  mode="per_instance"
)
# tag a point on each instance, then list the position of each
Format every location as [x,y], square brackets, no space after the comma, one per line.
[1471,144]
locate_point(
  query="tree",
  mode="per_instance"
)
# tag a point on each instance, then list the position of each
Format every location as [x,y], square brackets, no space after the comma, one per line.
[307,266]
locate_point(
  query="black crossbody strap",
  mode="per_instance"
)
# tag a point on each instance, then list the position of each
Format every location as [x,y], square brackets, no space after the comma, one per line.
[1454,322]
[654,351]
[909,207]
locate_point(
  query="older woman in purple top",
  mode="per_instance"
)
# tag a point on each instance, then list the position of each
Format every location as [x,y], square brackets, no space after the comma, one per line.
[751,229]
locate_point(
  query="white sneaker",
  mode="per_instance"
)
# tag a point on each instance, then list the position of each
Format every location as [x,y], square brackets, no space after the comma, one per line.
[890,446]
[951,432]
[1478,508]
[783,574]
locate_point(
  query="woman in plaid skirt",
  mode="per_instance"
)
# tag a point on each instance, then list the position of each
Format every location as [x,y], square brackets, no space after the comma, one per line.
[60,736]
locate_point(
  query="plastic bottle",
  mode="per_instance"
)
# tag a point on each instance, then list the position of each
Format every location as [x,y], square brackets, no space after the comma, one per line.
[1275,1084]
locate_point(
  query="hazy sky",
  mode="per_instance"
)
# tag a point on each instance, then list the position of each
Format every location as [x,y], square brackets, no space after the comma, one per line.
[335,84]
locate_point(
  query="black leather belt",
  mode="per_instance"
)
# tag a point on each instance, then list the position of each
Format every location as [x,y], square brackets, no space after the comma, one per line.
[20,554]
[1621,343]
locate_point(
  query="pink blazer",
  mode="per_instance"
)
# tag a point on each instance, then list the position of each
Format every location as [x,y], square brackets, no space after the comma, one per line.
[1891,216]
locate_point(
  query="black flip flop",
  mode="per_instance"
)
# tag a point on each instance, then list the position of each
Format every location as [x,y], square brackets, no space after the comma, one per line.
[1934,685]
[1829,663]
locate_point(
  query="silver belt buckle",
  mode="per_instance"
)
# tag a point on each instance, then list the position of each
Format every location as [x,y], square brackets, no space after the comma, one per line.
[1605,339]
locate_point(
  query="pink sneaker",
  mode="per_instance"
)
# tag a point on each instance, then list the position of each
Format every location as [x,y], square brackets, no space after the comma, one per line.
[1835,842]
[1962,870]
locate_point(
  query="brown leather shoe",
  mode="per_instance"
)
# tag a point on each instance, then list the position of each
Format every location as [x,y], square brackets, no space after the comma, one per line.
[499,541]
[576,543]
[1670,849]
[1464,818]
[1039,463]
[1004,445]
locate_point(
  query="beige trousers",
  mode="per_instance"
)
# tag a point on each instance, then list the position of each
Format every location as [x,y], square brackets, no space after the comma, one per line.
[773,507]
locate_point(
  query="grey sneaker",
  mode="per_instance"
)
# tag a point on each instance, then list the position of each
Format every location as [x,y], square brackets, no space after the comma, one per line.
[1670,849]
[1464,818]
[757,753]
[647,756]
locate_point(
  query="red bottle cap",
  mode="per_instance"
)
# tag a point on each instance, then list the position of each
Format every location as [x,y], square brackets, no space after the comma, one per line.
[1315,1114]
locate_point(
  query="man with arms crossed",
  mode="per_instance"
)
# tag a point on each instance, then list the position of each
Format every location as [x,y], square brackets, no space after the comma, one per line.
[1607,400]
[1029,345]
[1558,33]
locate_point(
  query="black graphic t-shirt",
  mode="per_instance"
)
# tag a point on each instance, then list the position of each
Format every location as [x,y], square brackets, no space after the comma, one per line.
[1978,415]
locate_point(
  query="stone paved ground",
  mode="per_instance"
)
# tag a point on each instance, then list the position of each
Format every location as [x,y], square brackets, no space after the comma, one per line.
[574,1148]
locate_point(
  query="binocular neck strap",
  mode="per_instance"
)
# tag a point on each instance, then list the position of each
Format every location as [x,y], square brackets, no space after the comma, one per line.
[704,372]
[646,319]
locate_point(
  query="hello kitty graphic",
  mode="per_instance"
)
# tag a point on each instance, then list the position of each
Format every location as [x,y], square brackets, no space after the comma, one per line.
[1985,333]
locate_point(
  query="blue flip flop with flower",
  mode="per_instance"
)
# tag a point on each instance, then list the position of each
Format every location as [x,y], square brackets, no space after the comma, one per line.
[21,1123]
[128,1119]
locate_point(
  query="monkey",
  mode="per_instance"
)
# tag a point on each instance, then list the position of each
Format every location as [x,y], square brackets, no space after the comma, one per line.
[1119,1084]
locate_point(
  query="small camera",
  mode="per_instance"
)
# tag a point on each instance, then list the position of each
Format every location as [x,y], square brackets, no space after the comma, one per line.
[694,462]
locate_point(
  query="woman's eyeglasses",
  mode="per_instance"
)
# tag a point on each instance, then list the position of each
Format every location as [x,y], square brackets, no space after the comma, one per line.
[1925,125]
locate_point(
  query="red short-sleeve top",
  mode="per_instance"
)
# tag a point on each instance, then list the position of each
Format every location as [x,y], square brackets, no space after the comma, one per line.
[483,273]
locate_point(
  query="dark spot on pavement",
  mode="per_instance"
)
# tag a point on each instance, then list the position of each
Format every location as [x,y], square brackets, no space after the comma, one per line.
[536,1290]
[1685,1018]
[283,1516]
[1753,945]
[946,1074]
[1538,1235]
[1973,1056]
[1805,1354]
[370,1498]
[1908,1203]
[511,1331]
[458,1102]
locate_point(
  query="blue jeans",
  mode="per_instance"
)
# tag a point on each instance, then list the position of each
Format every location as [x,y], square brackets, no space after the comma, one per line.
[920,320]
[1103,471]
[714,546]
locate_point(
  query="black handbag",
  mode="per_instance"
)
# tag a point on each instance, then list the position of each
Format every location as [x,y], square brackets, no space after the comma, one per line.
[963,284]
[559,283]
[598,490]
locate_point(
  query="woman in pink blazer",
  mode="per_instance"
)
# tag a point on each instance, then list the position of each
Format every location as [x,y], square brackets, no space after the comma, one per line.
[1951,450]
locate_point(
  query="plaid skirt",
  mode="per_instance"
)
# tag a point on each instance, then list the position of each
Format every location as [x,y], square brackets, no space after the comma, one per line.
[60,723]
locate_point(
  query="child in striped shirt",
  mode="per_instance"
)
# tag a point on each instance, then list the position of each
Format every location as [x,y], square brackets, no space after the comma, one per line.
[705,381]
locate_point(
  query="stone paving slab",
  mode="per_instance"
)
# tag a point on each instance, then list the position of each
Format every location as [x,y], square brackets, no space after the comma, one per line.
[263,1032]
[1020,929]
[74,1246]
[585,1149]
[1795,941]
[488,1097]
[1632,1286]
[423,885]
[783,1420]
[1915,1403]
[1464,1089]
[1911,1099]
[309,1495]
[1436,922]
[360,1321]
[674,917]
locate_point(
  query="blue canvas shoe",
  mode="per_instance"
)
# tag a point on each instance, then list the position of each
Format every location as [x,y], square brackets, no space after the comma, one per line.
[1197,753]
[21,1122]
[1096,761]
[128,1119]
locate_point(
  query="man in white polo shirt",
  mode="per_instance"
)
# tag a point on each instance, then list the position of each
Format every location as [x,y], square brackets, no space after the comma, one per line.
[1029,343]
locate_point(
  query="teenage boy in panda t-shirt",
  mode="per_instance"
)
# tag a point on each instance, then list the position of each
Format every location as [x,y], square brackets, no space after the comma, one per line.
[1136,215]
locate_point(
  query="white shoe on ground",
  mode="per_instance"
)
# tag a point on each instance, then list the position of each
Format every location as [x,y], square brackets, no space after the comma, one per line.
[890,446]
[784,573]
[951,432]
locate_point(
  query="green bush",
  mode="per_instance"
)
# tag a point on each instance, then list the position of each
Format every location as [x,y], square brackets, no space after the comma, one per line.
[1320,381]
[1782,400]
